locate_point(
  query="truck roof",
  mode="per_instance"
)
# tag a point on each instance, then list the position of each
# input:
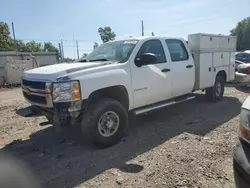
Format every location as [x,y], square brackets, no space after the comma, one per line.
[148,37]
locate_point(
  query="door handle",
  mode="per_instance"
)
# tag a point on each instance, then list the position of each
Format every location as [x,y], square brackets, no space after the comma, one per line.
[189,66]
[165,70]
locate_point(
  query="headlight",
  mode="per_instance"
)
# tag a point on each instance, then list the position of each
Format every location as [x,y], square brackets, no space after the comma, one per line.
[66,92]
[244,124]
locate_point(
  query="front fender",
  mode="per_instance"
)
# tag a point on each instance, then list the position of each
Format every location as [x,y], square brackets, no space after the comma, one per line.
[103,79]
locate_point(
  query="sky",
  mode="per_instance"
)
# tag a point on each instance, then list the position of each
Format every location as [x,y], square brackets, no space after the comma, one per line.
[71,20]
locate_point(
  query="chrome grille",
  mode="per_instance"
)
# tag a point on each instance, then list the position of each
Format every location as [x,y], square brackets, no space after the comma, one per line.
[34,84]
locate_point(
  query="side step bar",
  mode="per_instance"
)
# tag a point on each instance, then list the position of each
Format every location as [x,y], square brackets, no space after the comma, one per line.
[157,106]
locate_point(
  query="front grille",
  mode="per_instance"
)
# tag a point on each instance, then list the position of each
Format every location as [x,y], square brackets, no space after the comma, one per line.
[35,98]
[34,84]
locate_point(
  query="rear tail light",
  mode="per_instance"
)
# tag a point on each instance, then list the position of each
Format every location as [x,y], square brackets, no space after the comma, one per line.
[246,70]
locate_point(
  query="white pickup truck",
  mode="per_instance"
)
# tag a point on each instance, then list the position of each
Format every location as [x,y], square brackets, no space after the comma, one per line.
[134,75]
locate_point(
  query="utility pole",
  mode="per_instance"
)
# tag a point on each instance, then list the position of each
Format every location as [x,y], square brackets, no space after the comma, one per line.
[60,50]
[77,49]
[44,47]
[62,56]
[142,28]
[14,35]
[74,48]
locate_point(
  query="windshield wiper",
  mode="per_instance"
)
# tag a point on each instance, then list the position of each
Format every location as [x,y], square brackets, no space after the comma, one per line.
[97,60]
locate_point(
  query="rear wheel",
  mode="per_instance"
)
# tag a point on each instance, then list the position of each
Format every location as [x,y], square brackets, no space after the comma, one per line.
[216,92]
[104,123]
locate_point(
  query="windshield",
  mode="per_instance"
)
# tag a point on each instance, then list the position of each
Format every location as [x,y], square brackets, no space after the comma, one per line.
[117,51]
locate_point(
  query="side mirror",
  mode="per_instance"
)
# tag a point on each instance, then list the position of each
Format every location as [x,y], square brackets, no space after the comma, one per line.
[146,59]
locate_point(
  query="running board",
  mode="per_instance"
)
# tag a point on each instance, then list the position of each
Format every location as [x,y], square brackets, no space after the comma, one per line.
[157,106]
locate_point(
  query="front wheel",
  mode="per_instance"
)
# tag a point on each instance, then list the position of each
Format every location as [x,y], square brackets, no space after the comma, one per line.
[104,123]
[216,92]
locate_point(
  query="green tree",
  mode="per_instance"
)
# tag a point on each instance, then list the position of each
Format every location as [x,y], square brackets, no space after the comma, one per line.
[84,54]
[67,59]
[6,42]
[242,31]
[21,46]
[106,34]
[49,47]
[33,46]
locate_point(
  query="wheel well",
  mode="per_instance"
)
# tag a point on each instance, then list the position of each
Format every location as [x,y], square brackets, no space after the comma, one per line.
[118,93]
[223,74]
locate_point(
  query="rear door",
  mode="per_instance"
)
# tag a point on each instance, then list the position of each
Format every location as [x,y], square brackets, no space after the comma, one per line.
[182,67]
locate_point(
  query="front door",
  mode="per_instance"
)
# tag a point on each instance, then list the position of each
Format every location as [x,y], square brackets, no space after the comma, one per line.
[151,83]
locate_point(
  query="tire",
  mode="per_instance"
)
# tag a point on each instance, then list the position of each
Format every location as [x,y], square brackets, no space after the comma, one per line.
[215,94]
[96,126]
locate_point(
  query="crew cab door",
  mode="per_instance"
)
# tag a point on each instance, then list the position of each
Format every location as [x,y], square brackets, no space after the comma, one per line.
[182,67]
[151,83]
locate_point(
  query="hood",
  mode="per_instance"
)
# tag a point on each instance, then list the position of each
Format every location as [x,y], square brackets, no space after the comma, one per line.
[52,72]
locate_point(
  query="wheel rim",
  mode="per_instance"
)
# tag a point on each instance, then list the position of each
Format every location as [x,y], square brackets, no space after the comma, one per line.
[108,124]
[218,89]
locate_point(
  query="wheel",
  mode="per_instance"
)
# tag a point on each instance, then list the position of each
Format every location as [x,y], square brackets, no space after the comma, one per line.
[216,92]
[104,123]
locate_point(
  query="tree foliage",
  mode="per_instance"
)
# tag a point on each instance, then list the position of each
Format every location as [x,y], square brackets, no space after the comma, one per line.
[242,31]
[6,42]
[21,46]
[67,59]
[106,34]
[84,54]
[49,47]
[95,45]
[33,46]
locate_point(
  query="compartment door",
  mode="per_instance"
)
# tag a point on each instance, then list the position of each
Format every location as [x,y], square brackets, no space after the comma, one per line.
[206,75]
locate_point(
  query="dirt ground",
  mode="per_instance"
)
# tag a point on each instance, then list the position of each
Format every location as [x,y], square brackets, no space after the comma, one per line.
[186,145]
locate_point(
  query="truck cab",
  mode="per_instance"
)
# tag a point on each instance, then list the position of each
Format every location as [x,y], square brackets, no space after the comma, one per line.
[132,75]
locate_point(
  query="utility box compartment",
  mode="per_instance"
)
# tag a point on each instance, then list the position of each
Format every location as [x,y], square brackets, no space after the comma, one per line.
[212,53]
[212,42]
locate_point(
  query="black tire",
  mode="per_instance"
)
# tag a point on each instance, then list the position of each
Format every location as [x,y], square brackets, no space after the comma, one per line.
[212,93]
[91,118]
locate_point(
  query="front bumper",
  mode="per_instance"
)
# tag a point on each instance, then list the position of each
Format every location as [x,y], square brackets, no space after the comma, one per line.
[242,78]
[241,163]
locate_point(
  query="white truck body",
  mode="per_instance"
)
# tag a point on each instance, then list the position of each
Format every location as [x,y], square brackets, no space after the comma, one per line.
[214,53]
[148,84]
[172,68]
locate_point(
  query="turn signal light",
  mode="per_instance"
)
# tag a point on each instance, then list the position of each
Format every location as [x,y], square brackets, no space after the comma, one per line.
[76,96]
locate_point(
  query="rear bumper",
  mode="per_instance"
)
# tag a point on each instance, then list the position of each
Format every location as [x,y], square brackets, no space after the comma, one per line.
[242,78]
[241,163]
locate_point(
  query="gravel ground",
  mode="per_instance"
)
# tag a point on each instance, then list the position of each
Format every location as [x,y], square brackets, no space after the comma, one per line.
[186,145]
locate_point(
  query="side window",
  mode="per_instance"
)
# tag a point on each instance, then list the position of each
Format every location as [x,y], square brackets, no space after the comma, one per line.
[177,50]
[154,47]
